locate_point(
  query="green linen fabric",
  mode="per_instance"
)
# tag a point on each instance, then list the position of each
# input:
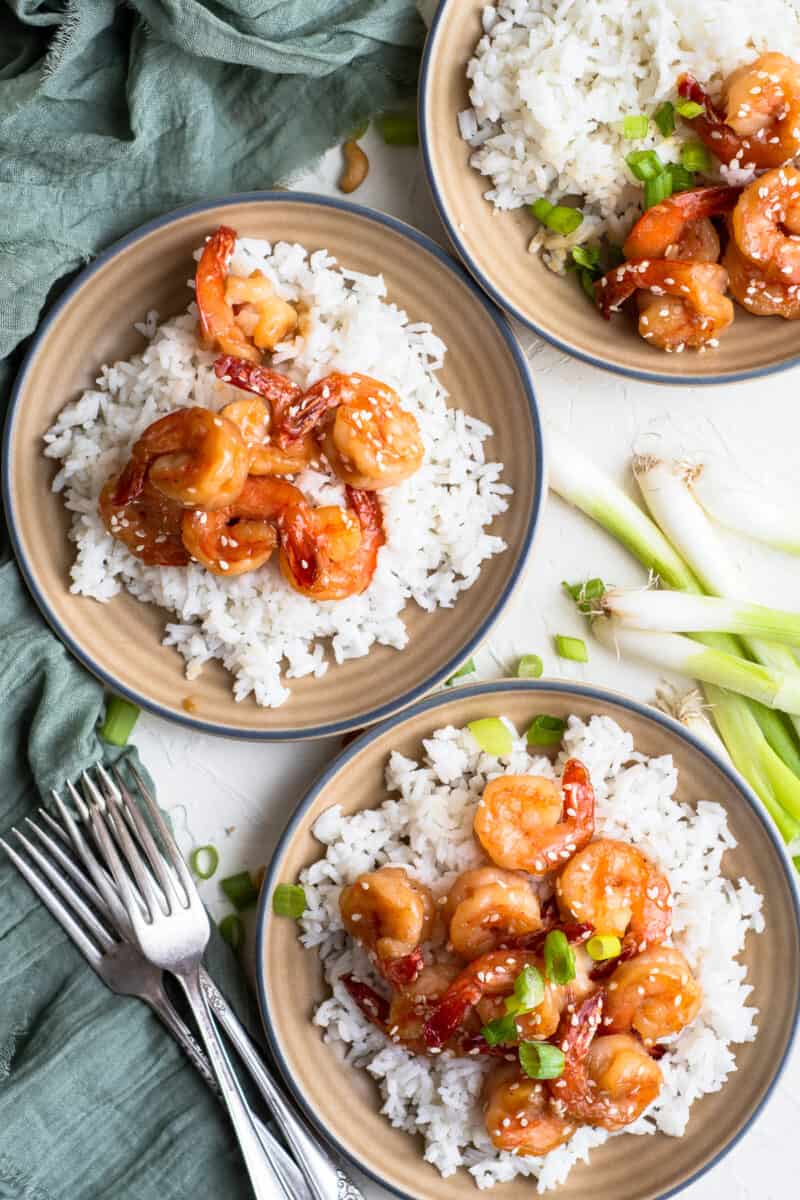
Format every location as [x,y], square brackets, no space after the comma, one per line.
[111,114]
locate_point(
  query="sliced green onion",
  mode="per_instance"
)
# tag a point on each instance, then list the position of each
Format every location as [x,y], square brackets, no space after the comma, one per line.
[557,217]
[695,157]
[289,900]
[603,946]
[528,991]
[681,179]
[467,669]
[541,1060]
[121,716]
[644,164]
[571,648]
[232,930]
[399,129]
[501,1030]
[689,109]
[545,730]
[559,957]
[586,594]
[586,256]
[664,118]
[240,890]
[658,189]
[634,128]
[204,861]
[530,666]
[587,279]
[492,735]
[358,132]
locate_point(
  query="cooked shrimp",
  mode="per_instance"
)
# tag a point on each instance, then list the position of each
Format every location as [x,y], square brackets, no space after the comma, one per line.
[607,1081]
[493,975]
[344,567]
[253,418]
[258,311]
[192,456]
[755,292]
[486,906]
[242,536]
[654,994]
[705,312]
[766,224]
[664,317]
[757,124]
[391,914]
[369,439]
[618,890]
[528,823]
[150,525]
[218,325]
[520,1116]
[663,228]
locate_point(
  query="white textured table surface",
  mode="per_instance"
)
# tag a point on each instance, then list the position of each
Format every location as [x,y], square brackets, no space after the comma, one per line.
[239,795]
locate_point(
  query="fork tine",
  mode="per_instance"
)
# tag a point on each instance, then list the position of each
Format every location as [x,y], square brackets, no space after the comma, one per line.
[73,898]
[114,862]
[54,906]
[101,880]
[118,795]
[69,866]
[170,845]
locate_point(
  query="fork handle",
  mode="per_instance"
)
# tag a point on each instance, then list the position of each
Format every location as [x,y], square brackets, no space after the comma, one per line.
[267,1184]
[285,1167]
[325,1176]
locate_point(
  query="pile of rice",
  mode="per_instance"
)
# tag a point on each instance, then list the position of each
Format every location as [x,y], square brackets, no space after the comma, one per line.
[256,624]
[551,80]
[427,826]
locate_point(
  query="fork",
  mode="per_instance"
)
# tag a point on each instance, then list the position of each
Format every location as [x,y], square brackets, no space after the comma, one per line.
[120,965]
[323,1171]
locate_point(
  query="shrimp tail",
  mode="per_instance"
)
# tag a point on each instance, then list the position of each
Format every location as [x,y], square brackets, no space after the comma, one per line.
[575,932]
[451,1010]
[404,970]
[299,545]
[710,126]
[210,275]
[367,508]
[300,418]
[577,1030]
[130,484]
[279,390]
[374,1006]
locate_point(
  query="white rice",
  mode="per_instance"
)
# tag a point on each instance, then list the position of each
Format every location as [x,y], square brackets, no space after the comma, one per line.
[436,522]
[427,826]
[551,80]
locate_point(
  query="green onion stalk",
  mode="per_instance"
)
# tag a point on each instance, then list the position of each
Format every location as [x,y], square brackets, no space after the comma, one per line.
[742,723]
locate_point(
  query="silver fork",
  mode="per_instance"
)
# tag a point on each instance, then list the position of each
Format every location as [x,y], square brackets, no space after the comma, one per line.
[171,938]
[324,1172]
[120,965]
[171,928]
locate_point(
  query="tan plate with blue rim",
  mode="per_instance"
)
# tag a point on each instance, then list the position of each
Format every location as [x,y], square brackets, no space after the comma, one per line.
[484,373]
[345,1104]
[494,245]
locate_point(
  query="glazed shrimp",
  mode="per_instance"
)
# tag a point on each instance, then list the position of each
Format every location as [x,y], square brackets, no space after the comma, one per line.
[757,124]
[344,565]
[487,906]
[654,994]
[192,456]
[242,536]
[607,1081]
[520,1116]
[493,975]
[218,325]
[253,418]
[661,317]
[766,224]
[660,231]
[755,292]
[705,312]
[258,311]
[370,440]
[391,915]
[149,526]
[617,889]
[528,823]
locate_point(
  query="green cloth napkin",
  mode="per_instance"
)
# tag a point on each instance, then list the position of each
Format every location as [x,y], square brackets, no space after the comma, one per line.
[110,115]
